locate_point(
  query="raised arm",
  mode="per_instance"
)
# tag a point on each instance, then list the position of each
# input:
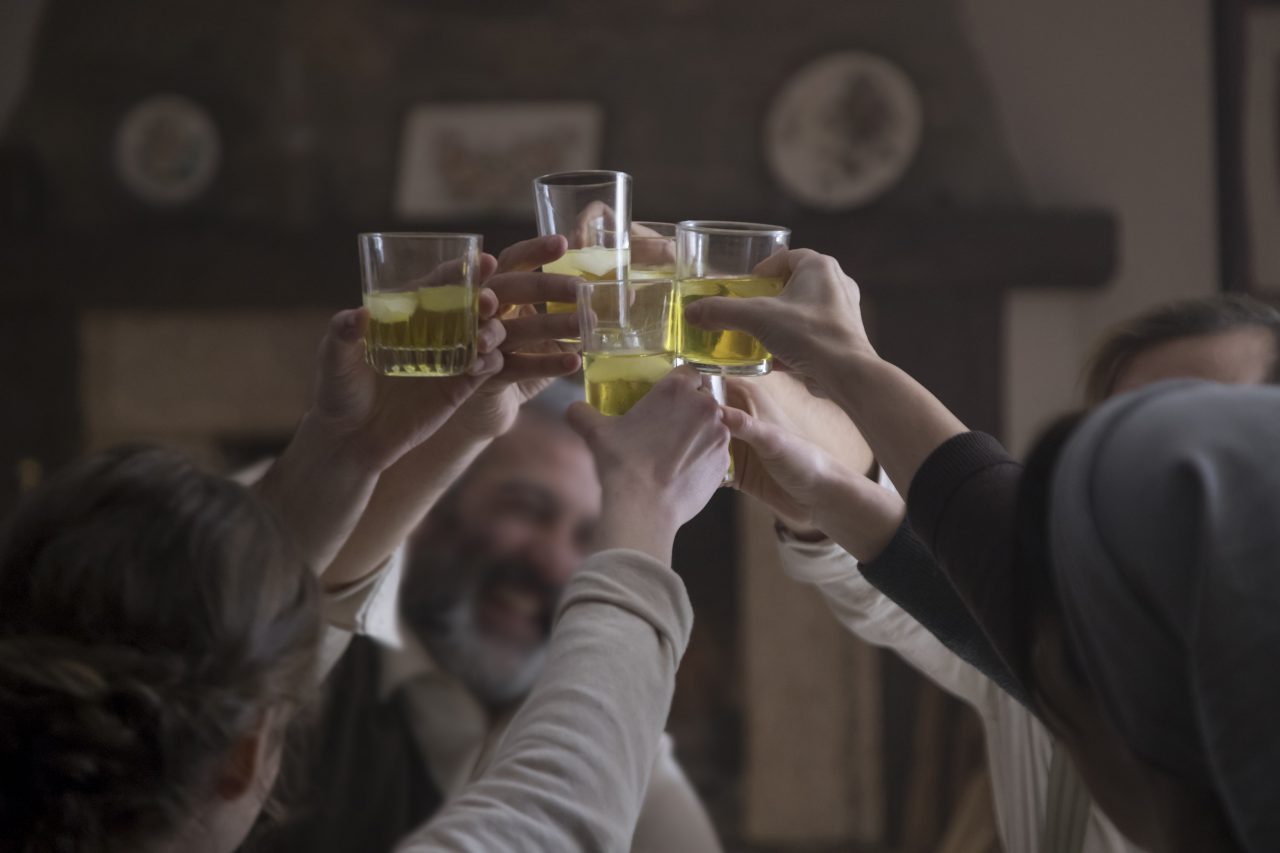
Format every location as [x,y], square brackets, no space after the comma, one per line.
[883,584]
[407,490]
[360,424]
[815,329]
[573,768]
[961,486]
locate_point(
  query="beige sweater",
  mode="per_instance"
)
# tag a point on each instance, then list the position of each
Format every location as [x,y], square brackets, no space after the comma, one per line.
[571,771]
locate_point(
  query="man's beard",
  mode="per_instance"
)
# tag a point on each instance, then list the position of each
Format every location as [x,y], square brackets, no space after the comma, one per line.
[495,671]
[442,598]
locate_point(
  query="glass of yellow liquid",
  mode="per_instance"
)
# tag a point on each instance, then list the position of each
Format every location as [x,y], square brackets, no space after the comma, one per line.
[719,259]
[627,343]
[422,292]
[626,339]
[592,210]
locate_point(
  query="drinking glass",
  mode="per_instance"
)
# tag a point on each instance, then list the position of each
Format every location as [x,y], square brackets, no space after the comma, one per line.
[626,340]
[422,292]
[592,210]
[719,259]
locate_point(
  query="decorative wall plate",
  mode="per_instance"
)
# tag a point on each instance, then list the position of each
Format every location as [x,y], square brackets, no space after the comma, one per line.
[843,130]
[167,150]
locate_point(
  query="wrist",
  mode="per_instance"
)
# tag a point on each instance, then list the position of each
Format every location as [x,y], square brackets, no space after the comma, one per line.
[319,442]
[863,515]
[635,518]
[839,359]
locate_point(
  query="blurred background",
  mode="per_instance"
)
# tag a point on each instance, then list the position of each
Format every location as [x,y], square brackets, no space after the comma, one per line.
[181,185]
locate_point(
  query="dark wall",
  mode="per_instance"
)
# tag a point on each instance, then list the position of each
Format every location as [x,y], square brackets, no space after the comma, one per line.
[310,96]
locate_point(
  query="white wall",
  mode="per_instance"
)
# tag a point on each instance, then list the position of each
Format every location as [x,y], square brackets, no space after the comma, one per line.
[1105,103]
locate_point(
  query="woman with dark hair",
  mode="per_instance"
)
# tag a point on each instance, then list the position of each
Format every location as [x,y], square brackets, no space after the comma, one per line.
[159,625]
[1128,589]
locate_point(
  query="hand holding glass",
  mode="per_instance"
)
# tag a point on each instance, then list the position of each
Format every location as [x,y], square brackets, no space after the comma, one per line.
[719,259]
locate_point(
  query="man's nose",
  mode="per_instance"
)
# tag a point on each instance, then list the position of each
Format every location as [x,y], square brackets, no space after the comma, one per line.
[555,556]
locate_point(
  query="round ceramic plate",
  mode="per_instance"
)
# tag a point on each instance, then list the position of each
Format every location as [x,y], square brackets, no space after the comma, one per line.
[843,130]
[167,150]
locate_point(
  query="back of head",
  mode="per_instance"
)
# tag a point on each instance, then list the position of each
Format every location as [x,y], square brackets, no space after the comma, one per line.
[1170,321]
[1165,548]
[150,614]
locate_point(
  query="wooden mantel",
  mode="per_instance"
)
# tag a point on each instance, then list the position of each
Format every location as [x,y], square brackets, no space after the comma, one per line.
[227,267]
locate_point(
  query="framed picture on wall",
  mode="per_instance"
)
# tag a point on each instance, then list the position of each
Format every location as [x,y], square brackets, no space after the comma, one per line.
[479,159]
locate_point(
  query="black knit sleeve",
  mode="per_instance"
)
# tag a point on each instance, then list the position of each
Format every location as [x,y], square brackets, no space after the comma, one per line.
[962,504]
[908,575]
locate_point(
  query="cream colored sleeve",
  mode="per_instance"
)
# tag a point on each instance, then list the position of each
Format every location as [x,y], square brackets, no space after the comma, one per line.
[672,817]
[572,770]
[876,619]
[368,607]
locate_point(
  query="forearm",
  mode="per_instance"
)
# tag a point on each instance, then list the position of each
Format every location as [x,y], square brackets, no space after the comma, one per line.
[858,514]
[865,611]
[901,421]
[318,488]
[404,494]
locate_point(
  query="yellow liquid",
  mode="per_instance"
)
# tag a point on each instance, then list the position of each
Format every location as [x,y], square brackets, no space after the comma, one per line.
[594,263]
[427,332]
[731,352]
[617,380]
[645,273]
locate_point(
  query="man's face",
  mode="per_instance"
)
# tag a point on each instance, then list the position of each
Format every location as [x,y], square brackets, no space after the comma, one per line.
[487,567]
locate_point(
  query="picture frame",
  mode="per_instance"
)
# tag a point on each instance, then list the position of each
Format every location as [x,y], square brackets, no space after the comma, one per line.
[477,160]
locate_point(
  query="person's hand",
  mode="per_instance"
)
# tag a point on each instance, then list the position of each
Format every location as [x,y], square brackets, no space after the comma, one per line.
[359,425]
[651,249]
[780,400]
[593,220]
[659,463]
[816,321]
[372,419]
[532,355]
[809,489]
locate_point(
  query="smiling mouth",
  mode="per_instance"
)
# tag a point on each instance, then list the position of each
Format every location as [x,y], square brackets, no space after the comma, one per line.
[513,613]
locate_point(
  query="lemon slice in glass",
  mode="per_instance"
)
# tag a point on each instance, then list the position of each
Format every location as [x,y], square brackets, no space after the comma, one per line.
[391,307]
[600,262]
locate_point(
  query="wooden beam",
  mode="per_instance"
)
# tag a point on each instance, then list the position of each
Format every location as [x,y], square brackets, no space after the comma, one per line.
[223,267]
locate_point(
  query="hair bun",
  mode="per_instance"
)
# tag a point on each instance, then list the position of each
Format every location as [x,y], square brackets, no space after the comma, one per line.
[74,719]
